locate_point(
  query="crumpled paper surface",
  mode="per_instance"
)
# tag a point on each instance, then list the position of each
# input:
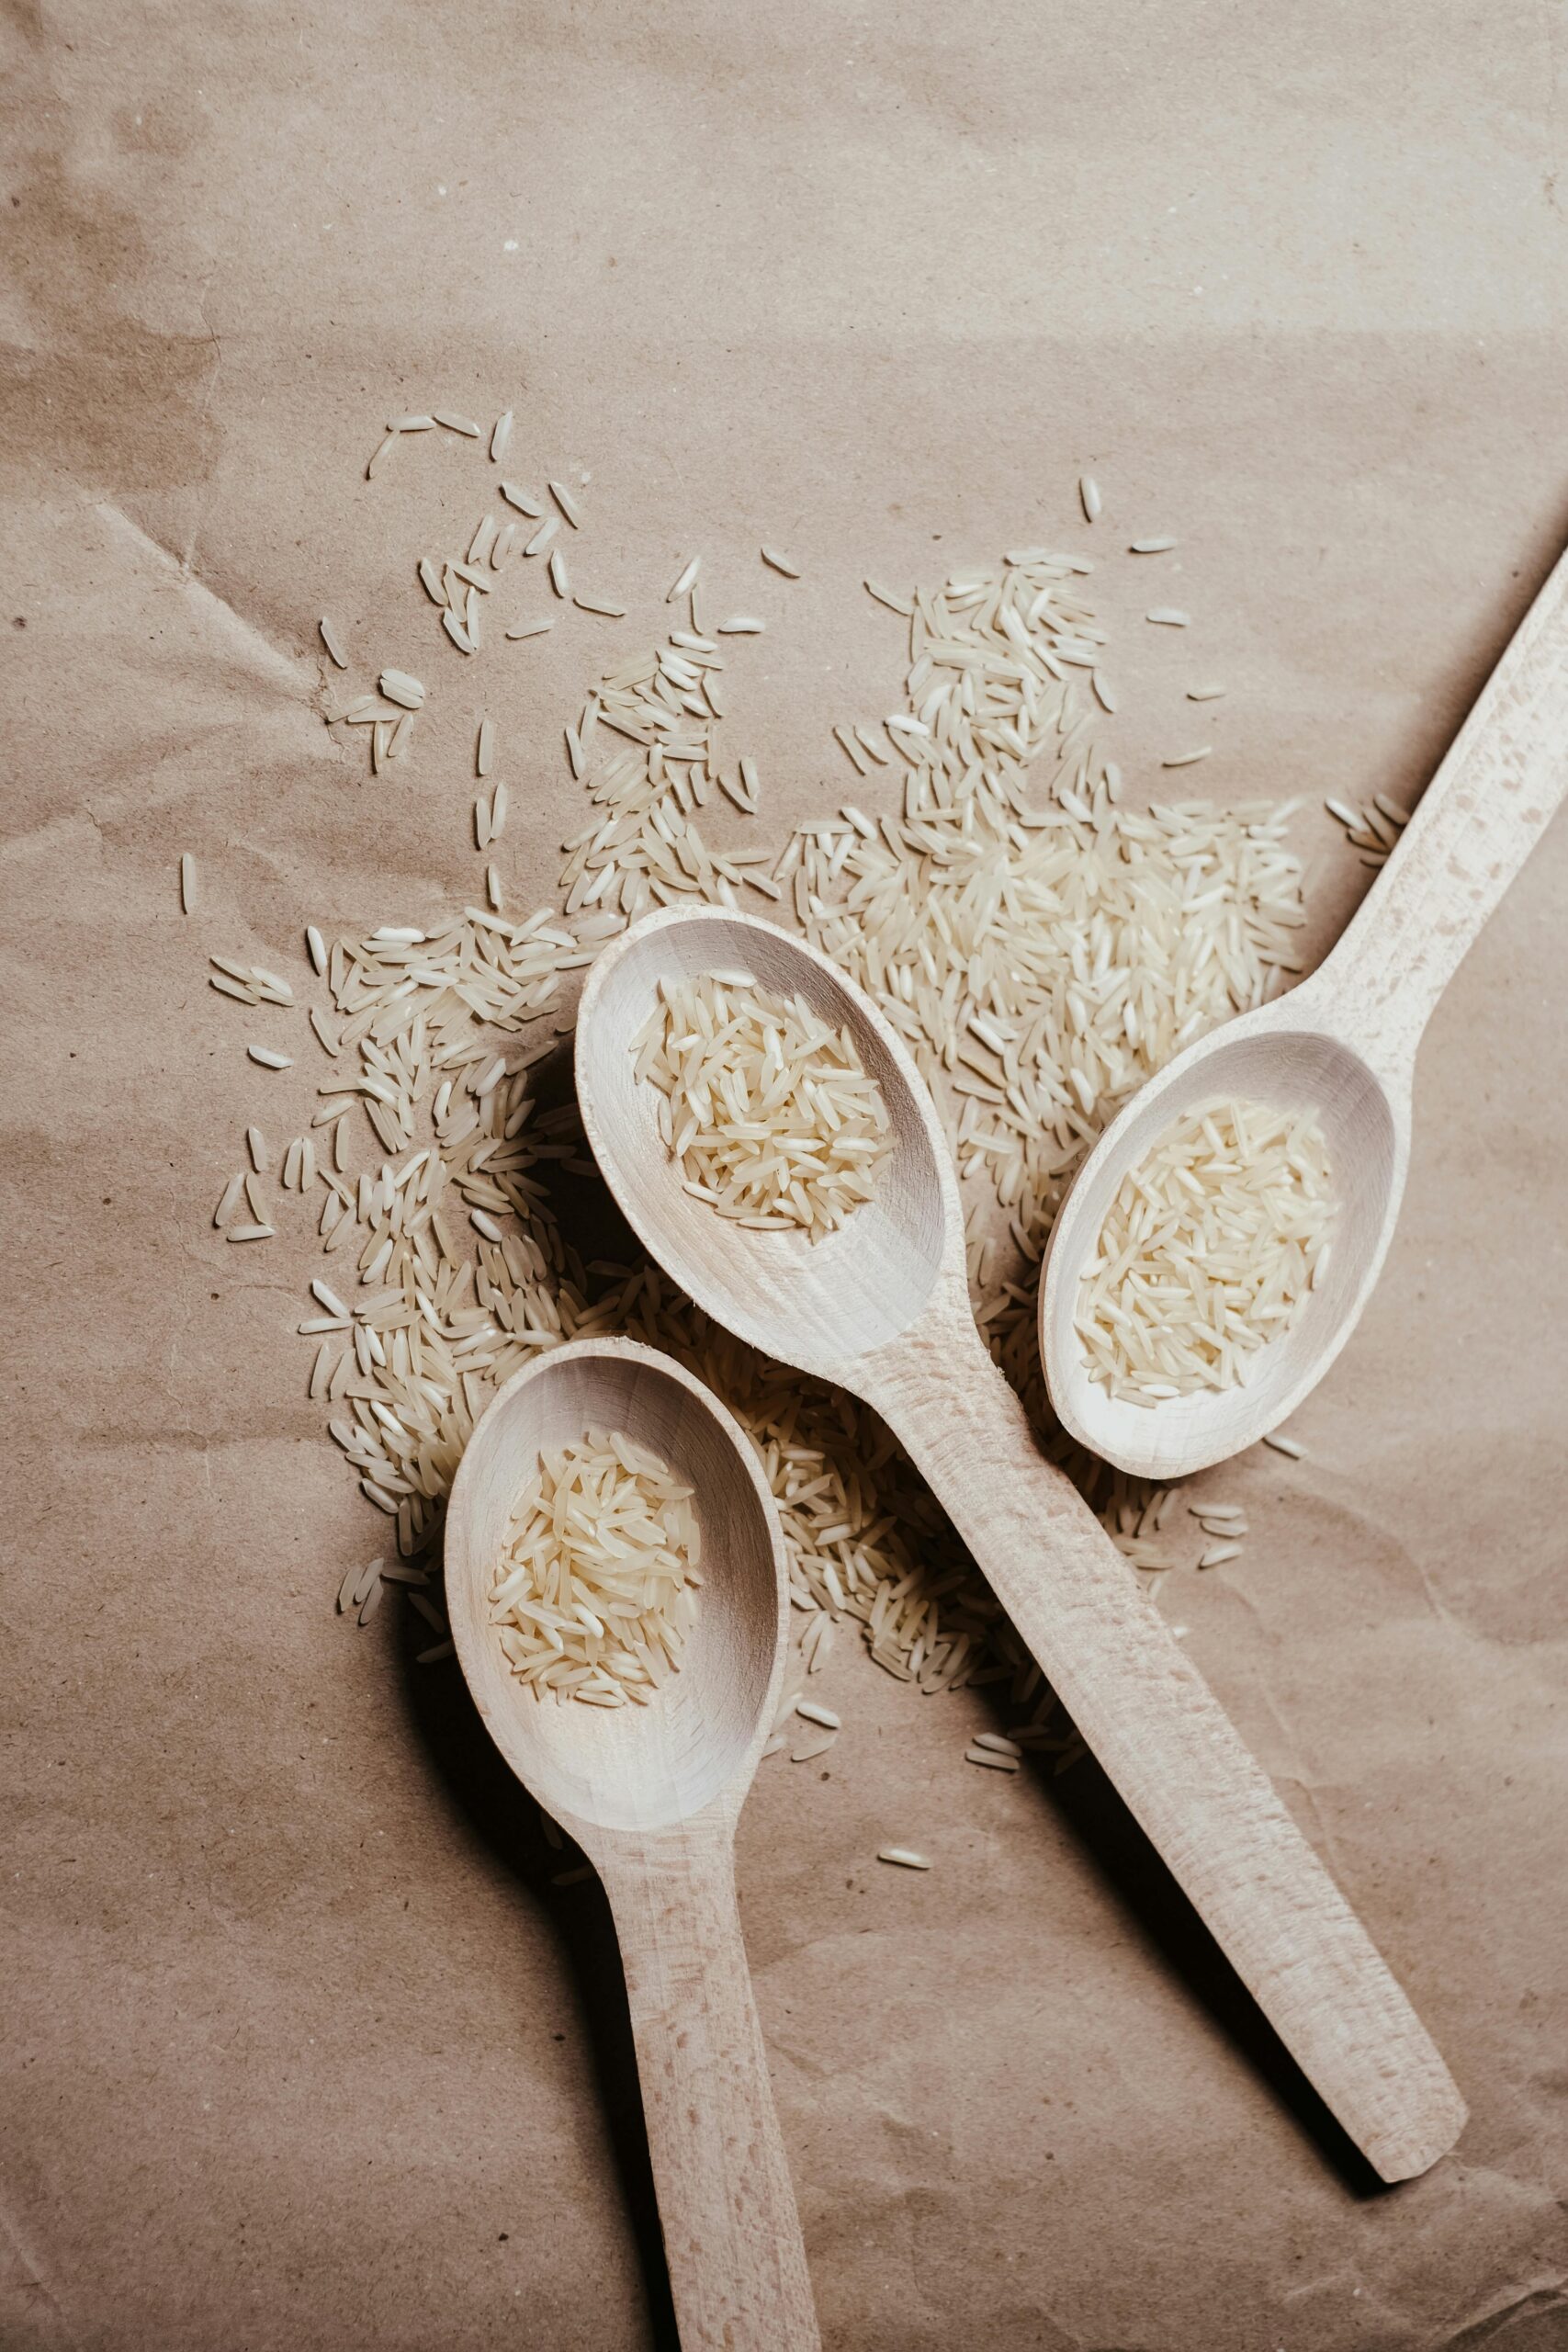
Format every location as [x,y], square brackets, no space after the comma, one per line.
[303,2047]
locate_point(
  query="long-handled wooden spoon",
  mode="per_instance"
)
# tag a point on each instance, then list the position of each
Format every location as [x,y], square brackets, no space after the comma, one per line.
[651,1794]
[1343,1043]
[881,1307]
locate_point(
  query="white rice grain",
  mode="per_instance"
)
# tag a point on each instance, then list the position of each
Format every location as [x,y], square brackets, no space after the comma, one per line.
[1208,1252]
[595,1588]
[769,1113]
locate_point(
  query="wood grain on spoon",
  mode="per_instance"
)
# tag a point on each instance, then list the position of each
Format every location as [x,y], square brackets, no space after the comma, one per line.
[881,1307]
[651,1793]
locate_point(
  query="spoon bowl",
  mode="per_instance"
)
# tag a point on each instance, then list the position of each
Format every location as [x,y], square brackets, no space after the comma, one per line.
[1272,1058]
[632,1768]
[810,1301]
[881,1307]
[651,1793]
[1344,1043]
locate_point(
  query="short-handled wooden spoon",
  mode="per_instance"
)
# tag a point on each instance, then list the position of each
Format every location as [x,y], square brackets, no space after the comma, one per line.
[881,1307]
[1343,1043]
[651,1794]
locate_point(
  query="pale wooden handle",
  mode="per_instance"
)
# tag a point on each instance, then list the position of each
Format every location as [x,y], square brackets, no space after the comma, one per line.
[1170,1749]
[732,2238]
[1504,776]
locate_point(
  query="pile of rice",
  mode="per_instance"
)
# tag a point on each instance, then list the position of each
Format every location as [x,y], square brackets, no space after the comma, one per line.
[766,1106]
[1041,949]
[595,1590]
[1042,953]
[1208,1252]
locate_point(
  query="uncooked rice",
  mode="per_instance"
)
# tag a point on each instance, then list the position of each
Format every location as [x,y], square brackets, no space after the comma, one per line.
[774,1120]
[1041,950]
[1208,1252]
[595,1593]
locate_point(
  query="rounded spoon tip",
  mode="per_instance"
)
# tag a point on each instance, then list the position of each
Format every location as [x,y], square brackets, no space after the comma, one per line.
[642,1765]
[1278,1057]
[814,1304]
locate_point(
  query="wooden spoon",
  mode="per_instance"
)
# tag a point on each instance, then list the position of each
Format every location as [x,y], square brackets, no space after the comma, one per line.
[1343,1043]
[881,1307]
[651,1794]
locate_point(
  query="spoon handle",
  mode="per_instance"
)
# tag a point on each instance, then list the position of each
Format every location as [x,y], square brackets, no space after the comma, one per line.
[1503,776]
[1165,1743]
[732,2239]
